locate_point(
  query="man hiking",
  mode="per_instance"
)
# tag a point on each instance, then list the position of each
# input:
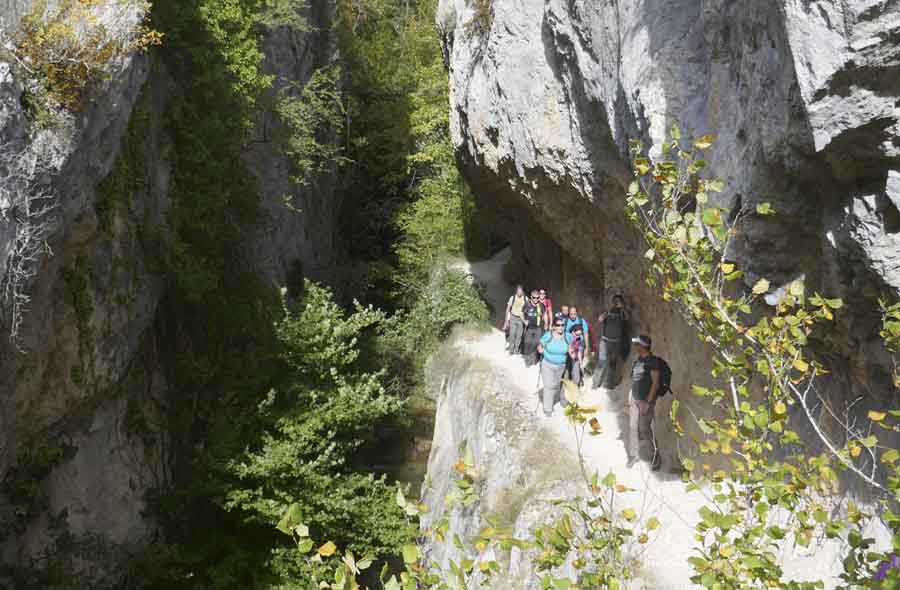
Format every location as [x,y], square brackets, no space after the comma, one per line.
[572,319]
[610,349]
[575,367]
[548,307]
[556,346]
[533,312]
[515,320]
[645,385]
[562,314]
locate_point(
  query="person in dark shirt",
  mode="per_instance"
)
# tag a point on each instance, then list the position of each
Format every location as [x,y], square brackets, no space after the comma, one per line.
[533,313]
[609,349]
[645,382]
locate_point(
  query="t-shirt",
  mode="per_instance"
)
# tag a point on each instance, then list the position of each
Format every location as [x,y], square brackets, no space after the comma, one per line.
[614,326]
[578,344]
[570,322]
[641,379]
[556,349]
[516,303]
[533,314]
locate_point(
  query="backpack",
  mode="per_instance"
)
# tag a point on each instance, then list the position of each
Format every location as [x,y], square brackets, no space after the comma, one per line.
[665,377]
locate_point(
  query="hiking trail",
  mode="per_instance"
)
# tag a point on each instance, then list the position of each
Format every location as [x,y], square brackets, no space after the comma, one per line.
[488,400]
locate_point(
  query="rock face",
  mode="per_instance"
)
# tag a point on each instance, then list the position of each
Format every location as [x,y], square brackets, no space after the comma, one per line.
[802,97]
[81,388]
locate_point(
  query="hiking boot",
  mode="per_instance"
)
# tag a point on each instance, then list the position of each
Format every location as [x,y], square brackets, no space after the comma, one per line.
[656,466]
[631,462]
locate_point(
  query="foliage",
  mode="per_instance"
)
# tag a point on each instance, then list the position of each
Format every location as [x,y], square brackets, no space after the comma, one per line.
[482,18]
[777,488]
[314,118]
[593,533]
[64,46]
[447,299]
[404,200]
[325,412]
[21,485]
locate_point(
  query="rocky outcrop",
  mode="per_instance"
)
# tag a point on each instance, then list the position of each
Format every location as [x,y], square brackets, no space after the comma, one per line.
[82,387]
[801,96]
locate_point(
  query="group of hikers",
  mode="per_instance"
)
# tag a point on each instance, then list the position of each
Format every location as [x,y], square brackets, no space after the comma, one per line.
[563,344]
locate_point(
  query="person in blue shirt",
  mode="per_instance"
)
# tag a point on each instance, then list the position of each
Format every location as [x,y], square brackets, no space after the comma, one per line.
[556,346]
[573,319]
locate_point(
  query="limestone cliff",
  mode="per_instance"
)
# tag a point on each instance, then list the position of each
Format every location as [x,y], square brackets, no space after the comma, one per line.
[81,387]
[802,96]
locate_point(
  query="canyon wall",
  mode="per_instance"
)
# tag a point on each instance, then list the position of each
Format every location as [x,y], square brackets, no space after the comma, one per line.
[82,387]
[801,95]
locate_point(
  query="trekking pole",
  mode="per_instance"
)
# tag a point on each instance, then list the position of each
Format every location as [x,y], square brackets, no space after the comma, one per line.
[538,406]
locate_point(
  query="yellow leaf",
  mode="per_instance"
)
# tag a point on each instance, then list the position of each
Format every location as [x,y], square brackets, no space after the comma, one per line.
[780,408]
[876,416]
[571,391]
[726,551]
[653,523]
[855,450]
[727,267]
[704,142]
[622,488]
[595,424]
[643,539]
[801,365]
[761,286]
[629,514]
[328,549]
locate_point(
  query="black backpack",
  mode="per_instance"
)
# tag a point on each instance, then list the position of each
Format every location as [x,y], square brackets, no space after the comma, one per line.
[665,377]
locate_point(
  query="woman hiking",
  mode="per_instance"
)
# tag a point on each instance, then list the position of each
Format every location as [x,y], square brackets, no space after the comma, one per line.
[556,346]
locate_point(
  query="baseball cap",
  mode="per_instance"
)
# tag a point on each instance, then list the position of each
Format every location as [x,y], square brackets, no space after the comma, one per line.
[642,340]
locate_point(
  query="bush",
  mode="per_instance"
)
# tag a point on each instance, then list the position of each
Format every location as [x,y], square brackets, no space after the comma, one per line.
[67,45]
[448,299]
[320,419]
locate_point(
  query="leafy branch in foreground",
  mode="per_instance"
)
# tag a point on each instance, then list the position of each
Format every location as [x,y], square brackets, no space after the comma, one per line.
[773,488]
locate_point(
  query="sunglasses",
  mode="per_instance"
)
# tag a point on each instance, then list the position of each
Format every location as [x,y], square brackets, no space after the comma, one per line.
[557,325]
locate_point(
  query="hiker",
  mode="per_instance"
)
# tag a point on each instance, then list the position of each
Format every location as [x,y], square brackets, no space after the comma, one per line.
[562,314]
[515,320]
[575,365]
[572,319]
[609,349]
[645,385]
[548,307]
[533,312]
[556,346]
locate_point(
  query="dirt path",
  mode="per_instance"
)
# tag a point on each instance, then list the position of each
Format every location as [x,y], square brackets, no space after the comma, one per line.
[661,494]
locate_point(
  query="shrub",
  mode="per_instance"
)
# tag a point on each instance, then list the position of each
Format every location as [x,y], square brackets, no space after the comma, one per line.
[314,119]
[449,298]
[67,45]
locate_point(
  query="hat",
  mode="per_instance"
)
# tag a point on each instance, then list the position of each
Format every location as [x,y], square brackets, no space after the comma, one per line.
[575,326]
[642,340]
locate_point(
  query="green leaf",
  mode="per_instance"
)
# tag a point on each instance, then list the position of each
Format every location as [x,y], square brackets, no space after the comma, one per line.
[634,188]
[290,519]
[716,185]
[765,209]
[675,132]
[890,456]
[410,553]
[712,216]
[834,303]
[642,166]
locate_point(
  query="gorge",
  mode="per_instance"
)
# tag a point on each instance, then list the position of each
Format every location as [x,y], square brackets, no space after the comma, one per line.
[160,408]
